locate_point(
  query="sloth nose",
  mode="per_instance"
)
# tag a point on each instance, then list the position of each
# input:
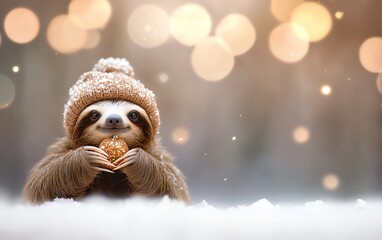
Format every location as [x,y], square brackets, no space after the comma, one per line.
[114,121]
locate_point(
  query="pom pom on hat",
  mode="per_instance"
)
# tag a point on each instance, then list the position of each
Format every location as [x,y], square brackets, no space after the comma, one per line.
[114,65]
[110,79]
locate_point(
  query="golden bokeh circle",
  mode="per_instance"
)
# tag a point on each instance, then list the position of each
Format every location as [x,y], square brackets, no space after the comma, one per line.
[326,89]
[301,135]
[148,26]
[65,36]
[163,77]
[289,42]
[370,54]
[190,23]
[90,14]
[212,59]
[339,15]
[314,18]
[330,182]
[238,31]
[282,9]
[180,135]
[21,25]
[15,69]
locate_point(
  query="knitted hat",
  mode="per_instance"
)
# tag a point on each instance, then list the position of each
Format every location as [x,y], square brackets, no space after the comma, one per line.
[110,79]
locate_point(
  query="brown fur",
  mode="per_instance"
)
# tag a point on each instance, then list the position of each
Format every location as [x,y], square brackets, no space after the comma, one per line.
[65,172]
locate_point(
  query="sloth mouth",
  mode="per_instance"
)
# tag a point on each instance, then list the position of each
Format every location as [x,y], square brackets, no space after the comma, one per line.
[113,130]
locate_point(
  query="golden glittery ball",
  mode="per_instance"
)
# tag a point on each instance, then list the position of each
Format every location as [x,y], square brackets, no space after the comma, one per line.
[114,147]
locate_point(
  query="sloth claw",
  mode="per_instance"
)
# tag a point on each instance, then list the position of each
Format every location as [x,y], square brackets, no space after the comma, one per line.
[124,163]
[97,155]
[119,160]
[95,149]
[102,169]
[126,155]
[103,163]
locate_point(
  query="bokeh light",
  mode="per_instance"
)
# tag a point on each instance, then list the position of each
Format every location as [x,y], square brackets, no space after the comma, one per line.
[326,89]
[330,182]
[92,39]
[190,23]
[7,91]
[370,54]
[238,31]
[180,135]
[314,18]
[301,135]
[289,42]
[148,26]
[282,9]
[212,59]
[379,83]
[339,15]
[15,69]
[163,77]
[90,14]
[21,25]
[65,36]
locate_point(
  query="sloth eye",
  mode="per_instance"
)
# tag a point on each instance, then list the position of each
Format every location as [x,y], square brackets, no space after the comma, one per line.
[133,116]
[94,115]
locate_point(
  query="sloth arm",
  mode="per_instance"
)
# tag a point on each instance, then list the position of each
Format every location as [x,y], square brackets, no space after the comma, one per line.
[62,173]
[153,174]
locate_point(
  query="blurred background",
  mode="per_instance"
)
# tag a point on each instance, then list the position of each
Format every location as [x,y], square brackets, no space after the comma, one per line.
[258,99]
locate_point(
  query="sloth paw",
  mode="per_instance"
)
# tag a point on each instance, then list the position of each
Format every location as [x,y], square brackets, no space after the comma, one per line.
[127,159]
[98,159]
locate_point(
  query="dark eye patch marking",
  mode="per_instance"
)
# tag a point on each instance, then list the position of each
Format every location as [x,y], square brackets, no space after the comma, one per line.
[145,127]
[85,122]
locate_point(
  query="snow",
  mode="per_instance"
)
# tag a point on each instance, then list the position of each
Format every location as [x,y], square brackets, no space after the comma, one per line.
[137,218]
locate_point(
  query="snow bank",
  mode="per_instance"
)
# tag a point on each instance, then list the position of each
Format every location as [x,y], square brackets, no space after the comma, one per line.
[166,219]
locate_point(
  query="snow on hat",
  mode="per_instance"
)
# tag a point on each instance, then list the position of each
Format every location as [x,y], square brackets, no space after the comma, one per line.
[110,79]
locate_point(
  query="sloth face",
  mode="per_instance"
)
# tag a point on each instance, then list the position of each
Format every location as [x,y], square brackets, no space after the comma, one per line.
[107,118]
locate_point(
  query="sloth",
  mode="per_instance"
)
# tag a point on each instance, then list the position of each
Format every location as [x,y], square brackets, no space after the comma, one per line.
[75,167]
